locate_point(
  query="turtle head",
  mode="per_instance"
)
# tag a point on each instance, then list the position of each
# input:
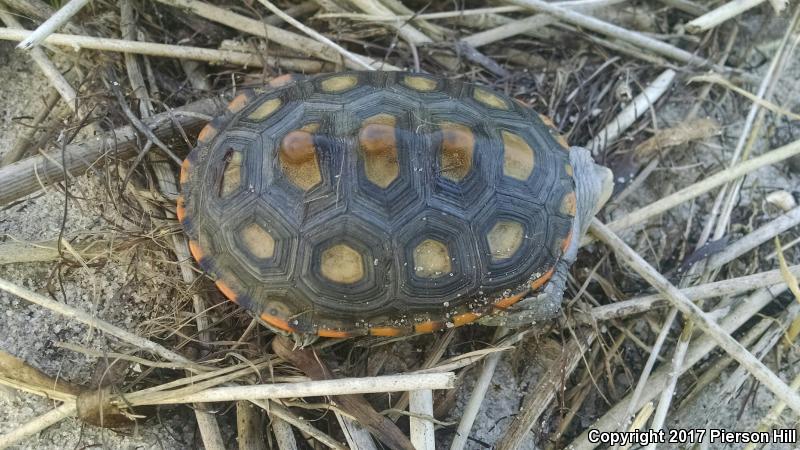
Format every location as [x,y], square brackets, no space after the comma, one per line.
[593,187]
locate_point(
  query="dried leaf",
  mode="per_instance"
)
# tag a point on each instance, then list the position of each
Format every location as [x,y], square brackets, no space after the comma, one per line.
[684,132]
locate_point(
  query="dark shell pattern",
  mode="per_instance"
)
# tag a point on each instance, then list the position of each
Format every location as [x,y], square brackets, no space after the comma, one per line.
[381,203]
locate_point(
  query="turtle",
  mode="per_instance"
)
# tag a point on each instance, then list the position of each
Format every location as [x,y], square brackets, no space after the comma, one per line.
[386,204]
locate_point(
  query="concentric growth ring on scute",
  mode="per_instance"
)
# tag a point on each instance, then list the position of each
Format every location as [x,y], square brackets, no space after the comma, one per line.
[377,203]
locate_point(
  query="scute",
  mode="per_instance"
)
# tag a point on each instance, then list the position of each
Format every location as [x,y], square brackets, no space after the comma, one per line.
[376,203]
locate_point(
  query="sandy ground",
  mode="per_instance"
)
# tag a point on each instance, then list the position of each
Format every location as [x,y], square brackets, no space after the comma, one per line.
[29,332]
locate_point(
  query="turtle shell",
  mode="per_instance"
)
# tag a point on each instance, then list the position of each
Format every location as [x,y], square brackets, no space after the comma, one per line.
[380,203]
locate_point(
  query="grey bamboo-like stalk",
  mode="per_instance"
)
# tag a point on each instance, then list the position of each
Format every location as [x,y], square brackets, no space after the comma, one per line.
[88,319]
[705,185]
[50,25]
[645,303]
[694,313]
[339,386]
[38,424]
[24,177]
[209,55]
[725,11]
[698,349]
[49,69]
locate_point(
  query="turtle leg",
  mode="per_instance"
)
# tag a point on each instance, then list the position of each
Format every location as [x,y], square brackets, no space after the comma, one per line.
[593,186]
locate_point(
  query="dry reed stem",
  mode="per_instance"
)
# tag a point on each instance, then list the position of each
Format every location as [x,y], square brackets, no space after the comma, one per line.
[478,394]
[206,421]
[425,16]
[725,11]
[277,410]
[694,313]
[686,6]
[355,59]
[249,426]
[531,23]
[754,121]
[733,286]
[752,240]
[38,424]
[77,42]
[284,436]
[16,252]
[405,29]
[421,429]
[339,386]
[650,363]
[761,348]
[698,349]
[280,36]
[605,28]
[87,319]
[24,177]
[50,25]
[772,418]
[47,67]
[705,185]
[18,374]
[665,401]
[430,361]
[355,435]
[548,386]
[642,103]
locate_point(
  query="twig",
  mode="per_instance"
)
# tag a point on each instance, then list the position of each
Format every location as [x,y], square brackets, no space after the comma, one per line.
[771,419]
[599,26]
[356,59]
[705,185]
[687,6]
[356,435]
[549,385]
[22,144]
[22,177]
[529,24]
[49,69]
[249,426]
[50,25]
[38,424]
[278,410]
[167,51]
[206,421]
[694,313]
[357,406]
[756,238]
[698,349]
[734,286]
[340,386]
[405,29]
[650,363]
[430,361]
[669,392]
[476,397]
[755,119]
[88,319]
[727,10]
[284,436]
[16,373]
[421,404]
[280,36]
[642,103]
